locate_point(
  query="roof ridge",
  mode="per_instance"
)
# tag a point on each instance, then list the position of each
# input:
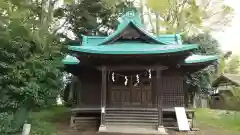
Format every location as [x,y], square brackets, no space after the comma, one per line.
[124,25]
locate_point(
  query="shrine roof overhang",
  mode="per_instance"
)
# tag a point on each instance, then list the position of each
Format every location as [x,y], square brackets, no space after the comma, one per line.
[200,59]
[193,60]
[195,63]
[132,48]
[70,60]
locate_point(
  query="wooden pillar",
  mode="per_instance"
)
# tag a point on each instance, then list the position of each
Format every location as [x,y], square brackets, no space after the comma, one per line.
[103,99]
[154,92]
[159,101]
[186,95]
[159,98]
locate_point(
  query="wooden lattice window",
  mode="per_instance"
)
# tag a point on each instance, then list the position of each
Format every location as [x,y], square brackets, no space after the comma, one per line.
[173,93]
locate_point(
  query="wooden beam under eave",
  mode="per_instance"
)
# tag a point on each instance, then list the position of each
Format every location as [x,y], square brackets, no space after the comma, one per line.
[132,67]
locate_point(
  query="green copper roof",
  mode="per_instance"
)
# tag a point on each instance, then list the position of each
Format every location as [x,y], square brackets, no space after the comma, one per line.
[166,39]
[132,48]
[122,26]
[170,39]
[92,40]
[200,58]
[70,60]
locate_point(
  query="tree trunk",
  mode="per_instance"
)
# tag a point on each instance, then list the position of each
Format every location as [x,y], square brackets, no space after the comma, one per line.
[157,23]
[141,10]
[42,16]
[50,13]
[151,22]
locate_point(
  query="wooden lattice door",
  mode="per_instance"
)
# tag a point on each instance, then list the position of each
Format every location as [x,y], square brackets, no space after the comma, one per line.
[146,87]
[136,93]
[132,94]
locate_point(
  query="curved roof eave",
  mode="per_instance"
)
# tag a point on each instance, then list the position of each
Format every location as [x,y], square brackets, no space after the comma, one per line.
[200,59]
[196,63]
[70,60]
[133,49]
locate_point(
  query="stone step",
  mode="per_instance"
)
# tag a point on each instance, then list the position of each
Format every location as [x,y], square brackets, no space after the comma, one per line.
[130,123]
[131,115]
[131,112]
[133,120]
[132,109]
[142,118]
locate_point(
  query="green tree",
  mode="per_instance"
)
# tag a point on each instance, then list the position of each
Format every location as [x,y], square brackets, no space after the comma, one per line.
[222,62]
[222,65]
[202,80]
[207,44]
[188,16]
[30,61]
[88,17]
[233,65]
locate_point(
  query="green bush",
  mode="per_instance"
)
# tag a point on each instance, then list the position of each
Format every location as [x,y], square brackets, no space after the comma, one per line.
[5,122]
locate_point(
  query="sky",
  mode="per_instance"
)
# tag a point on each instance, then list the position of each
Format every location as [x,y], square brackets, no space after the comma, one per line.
[230,39]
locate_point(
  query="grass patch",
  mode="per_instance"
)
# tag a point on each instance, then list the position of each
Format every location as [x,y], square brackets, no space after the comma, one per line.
[219,119]
[43,121]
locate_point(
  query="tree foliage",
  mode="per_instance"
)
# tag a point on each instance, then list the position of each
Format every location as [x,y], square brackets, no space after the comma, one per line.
[92,17]
[31,50]
[209,46]
[233,65]
[190,16]
[30,63]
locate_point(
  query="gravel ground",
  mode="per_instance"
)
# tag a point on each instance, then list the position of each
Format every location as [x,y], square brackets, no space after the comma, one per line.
[204,130]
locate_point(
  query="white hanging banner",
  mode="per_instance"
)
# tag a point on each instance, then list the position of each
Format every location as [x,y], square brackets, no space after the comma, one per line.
[126,80]
[137,76]
[150,75]
[113,78]
[116,75]
[103,109]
